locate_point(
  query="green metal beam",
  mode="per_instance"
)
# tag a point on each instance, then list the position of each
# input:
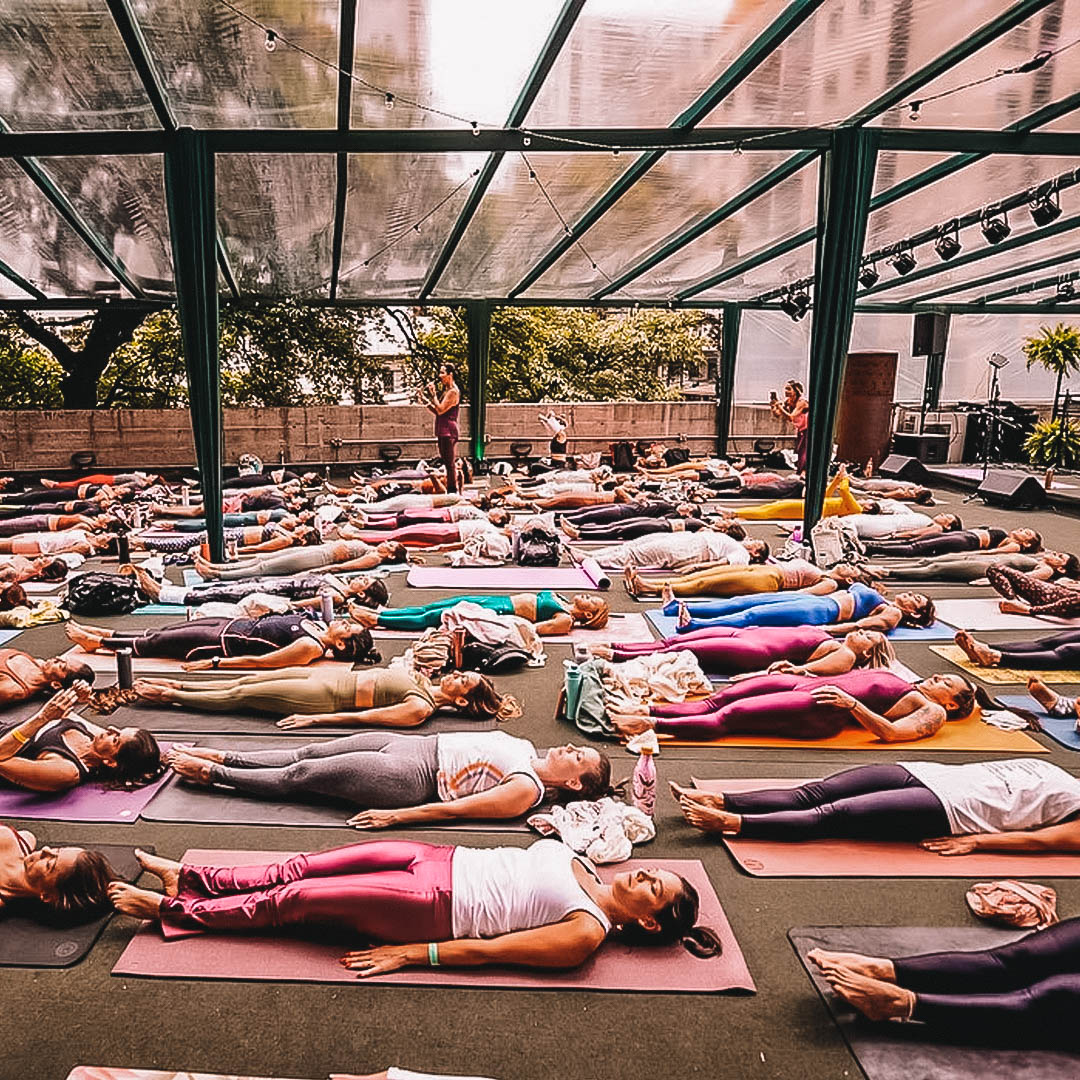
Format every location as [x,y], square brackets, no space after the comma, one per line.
[1001,275]
[478,322]
[725,375]
[346,49]
[17,279]
[571,9]
[788,21]
[1027,286]
[750,262]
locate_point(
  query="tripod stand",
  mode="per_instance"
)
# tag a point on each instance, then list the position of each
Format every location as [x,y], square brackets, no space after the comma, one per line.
[992,420]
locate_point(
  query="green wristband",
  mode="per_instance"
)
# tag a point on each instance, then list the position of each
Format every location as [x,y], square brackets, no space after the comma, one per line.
[433,954]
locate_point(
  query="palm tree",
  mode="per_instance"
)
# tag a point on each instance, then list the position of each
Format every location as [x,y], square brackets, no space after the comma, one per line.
[1058,351]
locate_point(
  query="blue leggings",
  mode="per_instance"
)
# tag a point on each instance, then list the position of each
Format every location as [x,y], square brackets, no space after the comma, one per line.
[1026,993]
[870,802]
[765,609]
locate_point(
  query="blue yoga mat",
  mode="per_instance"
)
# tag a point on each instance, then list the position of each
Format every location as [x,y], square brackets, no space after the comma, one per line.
[161,609]
[1062,729]
[664,625]
[7,635]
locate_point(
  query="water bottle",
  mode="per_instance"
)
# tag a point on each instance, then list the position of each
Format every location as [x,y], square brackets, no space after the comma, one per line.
[573,690]
[643,783]
[123,669]
[326,605]
[123,549]
[136,517]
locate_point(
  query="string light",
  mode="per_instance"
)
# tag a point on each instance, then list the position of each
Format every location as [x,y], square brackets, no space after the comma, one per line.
[271,41]
[915,106]
[475,127]
[737,150]
[526,140]
[389,100]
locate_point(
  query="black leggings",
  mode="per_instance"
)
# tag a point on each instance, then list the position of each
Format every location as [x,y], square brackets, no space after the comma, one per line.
[949,543]
[629,529]
[612,512]
[871,802]
[1061,651]
[1024,993]
[199,638]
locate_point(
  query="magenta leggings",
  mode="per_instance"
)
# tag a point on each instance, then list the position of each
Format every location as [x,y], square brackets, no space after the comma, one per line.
[774,708]
[394,891]
[720,650]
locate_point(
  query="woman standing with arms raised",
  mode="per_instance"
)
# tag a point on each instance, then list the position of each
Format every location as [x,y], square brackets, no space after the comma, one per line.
[444,400]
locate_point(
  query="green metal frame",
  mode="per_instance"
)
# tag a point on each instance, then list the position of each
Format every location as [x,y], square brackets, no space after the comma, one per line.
[346,49]
[1030,286]
[560,31]
[1001,275]
[478,323]
[731,314]
[17,279]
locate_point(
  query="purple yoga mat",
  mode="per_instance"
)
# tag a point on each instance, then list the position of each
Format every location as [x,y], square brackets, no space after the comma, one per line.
[87,802]
[613,967]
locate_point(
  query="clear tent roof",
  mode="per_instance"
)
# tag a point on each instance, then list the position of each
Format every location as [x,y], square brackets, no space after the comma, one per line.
[455,224]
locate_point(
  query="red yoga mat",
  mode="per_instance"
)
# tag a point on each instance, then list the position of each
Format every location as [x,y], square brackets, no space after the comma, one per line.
[613,967]
[873,858]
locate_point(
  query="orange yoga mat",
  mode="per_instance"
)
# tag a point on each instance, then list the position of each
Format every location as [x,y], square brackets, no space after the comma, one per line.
[873,858]
[970,735]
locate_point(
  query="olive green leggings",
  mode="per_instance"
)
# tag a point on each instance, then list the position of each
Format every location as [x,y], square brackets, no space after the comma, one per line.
[291,690]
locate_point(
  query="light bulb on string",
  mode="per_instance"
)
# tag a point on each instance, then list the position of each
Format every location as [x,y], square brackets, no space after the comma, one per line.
[526,140]
[271,41]
[532,174]
[615,152]
[737,149]
[915,106]
[475,127]
[388,101]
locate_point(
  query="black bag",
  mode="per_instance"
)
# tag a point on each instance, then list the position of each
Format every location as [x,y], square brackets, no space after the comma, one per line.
[622,456]
[536,546]
[677,455]
[493,659]
[102,594]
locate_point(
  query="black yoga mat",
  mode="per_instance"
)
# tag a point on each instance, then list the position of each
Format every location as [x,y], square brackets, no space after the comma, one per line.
[25,943]
[891,1051]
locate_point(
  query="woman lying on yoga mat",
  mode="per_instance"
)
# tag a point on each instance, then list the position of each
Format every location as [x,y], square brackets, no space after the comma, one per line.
[858,607]
[270,641]
[639,508]
[838,501]
[677,551]
[726,581]
[1057,651]
[1016,805]
[1055,704]
[807,707]
[340,555]
[408,779]
[1027,594]
[1022,994]
[15,569]
[368,591]
[53,751]
[23,676]
[78,541]
[433,534]
[887,520]
[631,528]
[384,697]
[970,568]
[795,650]
[445,515]
[951,543]
[549,612]
[52,885]
[542,906]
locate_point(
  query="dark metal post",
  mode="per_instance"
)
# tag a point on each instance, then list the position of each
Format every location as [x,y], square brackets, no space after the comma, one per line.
[478,320]
[731,314]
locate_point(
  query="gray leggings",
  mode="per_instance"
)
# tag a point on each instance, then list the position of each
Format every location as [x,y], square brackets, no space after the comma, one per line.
[279,564]
[375,770]
[957,568]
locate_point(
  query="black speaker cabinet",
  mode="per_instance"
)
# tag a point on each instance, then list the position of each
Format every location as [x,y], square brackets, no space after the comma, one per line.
[909,469]
[931,333]
[1011,490]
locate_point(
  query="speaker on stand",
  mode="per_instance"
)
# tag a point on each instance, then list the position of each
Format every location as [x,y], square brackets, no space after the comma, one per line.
[1011,490]
[909,469]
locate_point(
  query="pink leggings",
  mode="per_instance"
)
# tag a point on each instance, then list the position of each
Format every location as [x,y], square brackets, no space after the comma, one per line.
[424,535]
[720,650]
[393,891]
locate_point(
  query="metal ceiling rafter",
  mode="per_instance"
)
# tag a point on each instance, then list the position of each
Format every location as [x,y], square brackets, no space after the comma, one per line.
[1028,286]
[560,31]
[992,279]
[17,279]
[138,49]
[971,44]
[346,50]
[786,23]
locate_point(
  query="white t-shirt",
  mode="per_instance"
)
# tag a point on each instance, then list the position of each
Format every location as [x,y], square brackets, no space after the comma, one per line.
[501,890]
[879,526]
[470,527]
[49,543]
[1000,796]
[474,761]
[466,512]
[674,550]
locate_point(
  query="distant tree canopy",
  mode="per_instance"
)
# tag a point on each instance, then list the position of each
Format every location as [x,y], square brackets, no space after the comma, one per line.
[577,354]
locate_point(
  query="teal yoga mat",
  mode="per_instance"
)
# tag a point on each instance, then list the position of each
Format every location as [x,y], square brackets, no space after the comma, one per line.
[1062,729]
[665,626]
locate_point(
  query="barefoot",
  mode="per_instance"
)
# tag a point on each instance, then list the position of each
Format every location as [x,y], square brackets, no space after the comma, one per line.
[976,651]
[205,569]
[140,903]
[165,869]
[153,690]
[195,770]
[683,618]
[203,752]
[603,652]
[667,594]
[702,798]
[709,820]
[82,637]
[1042,693]
[146,582]
[875,999]
[873,967]
[571,530]
[1013,607]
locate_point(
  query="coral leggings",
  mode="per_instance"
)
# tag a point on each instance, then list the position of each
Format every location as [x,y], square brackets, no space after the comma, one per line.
[385,890]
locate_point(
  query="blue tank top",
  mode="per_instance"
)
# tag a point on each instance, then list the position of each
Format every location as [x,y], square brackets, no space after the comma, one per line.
[866,600]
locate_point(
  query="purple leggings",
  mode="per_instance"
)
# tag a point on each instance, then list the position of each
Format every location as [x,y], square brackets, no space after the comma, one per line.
[871,802]
[384,890]
[729,650]
[1024,993]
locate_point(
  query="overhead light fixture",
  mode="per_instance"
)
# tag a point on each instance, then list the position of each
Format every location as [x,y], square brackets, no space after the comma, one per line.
[1066,290]
[995,225]
[795,302]
[947,243]
[904,261]
[869,274]
[1044,206]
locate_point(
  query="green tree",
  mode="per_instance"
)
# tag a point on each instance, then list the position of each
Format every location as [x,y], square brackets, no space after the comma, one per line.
[1058,351]
[578,354]
[29,377]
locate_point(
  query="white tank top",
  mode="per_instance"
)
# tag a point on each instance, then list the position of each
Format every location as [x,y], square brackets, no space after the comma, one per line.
[474,761]
[500,890]
[1000,796]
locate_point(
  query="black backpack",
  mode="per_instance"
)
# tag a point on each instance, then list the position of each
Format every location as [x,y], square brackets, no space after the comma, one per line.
[493,659]
[676,455]
[535,546]
[102,594]
[622,456]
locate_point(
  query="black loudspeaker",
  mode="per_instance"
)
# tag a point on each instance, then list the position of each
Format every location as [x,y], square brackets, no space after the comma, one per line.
[910,470]
[931,333]
[1011,490]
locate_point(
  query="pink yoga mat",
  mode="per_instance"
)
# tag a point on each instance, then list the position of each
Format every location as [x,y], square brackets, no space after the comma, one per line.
[620,628]
[511,578]
[613,967]
[873,858]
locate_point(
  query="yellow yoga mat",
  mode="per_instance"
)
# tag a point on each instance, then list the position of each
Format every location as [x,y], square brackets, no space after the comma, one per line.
[1000,676]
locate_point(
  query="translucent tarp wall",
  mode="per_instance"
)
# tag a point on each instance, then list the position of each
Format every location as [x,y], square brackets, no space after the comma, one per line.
[773,349]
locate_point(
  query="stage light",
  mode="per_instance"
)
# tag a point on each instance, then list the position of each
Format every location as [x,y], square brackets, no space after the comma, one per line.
[995,225]
[795,303]
[869,274]
[904,261]
[1066,290]
[1044,206]
[947,243]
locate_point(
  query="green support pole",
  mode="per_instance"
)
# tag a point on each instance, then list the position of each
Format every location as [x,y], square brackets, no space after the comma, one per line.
[478,320]
[847,179]
[725,375]
[189,192]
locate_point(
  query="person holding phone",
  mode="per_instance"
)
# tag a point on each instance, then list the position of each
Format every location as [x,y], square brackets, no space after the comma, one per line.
[444,400]
[795,408]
